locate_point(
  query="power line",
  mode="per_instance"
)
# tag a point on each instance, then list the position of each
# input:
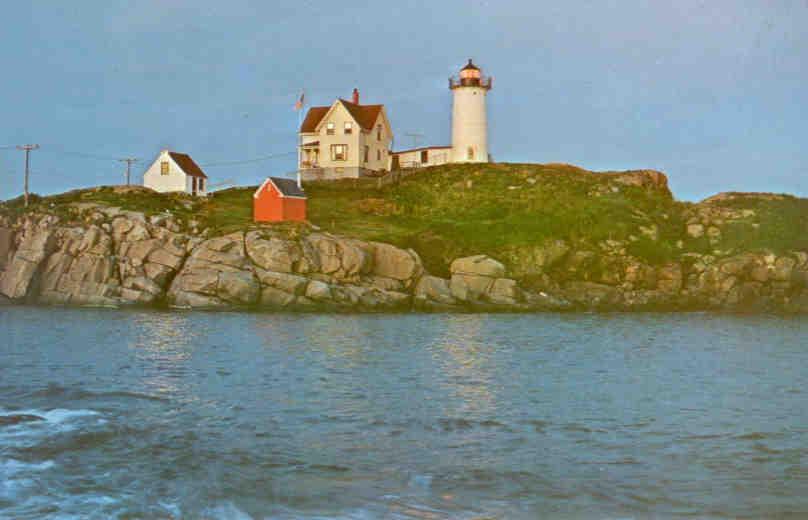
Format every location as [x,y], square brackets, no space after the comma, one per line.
[246,161]
[81,154]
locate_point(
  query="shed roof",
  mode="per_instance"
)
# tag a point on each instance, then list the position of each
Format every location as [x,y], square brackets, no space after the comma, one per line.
[286,187]
[187,164]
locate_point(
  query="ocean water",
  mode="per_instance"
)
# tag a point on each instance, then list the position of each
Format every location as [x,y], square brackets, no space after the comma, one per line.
[174,415]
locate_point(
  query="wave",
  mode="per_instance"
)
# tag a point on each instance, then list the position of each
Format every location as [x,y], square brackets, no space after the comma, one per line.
[78,393]
[11,467]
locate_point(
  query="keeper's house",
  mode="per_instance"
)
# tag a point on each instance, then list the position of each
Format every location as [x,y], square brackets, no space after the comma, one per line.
[345,140]
[279,200]
[176,172]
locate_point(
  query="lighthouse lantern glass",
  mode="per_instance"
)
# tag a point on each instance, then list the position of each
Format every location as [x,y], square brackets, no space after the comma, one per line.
[469,74]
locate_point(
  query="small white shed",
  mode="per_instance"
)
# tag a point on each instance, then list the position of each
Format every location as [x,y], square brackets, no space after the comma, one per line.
[173,171]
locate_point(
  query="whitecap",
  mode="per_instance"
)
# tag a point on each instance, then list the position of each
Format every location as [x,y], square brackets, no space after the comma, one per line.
[11,466]
[227,511]
[59,415]
[420,481]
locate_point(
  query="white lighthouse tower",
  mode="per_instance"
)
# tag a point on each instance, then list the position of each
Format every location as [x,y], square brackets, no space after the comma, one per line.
[469,120]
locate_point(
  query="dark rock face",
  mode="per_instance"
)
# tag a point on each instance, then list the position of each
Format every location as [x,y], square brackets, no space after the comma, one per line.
[114,257]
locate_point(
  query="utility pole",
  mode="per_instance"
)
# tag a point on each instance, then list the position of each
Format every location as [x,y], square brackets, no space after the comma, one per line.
[27,148]
[129,161]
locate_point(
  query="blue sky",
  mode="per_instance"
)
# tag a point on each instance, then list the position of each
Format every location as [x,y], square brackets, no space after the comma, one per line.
[713,93]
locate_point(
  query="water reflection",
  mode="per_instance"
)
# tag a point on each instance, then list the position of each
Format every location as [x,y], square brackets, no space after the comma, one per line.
[463,357]
[163,342]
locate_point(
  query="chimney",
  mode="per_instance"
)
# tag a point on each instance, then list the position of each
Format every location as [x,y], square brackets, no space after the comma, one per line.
[355,97]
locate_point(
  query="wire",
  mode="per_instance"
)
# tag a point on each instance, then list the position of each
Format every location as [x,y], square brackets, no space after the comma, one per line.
[246,161]
[79,154]
[57,149]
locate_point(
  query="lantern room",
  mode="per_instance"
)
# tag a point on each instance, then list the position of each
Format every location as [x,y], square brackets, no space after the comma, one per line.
[470,76]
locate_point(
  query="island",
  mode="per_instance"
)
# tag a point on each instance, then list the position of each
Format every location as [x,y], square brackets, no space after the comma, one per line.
[456,237]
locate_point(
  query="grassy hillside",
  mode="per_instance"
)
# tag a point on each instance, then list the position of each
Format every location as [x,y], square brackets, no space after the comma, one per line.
[499,209]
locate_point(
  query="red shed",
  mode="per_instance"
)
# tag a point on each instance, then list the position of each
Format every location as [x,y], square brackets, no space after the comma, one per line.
[278,200]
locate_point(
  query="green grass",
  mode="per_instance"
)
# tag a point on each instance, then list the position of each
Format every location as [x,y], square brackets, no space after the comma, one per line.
[783,224]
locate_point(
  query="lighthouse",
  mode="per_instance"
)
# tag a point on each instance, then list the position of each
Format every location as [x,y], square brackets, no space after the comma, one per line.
[469,120]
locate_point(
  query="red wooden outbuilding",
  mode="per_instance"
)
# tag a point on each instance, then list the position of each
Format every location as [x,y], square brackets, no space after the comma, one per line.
[279,200]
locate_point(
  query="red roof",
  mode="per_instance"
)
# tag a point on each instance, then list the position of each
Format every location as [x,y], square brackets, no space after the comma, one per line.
[364,115]
[187,165]
[313,118]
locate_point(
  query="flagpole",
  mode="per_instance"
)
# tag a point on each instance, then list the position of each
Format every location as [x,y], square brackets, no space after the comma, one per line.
[299,138]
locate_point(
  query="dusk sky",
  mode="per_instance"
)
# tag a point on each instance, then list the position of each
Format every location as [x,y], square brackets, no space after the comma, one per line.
[713,93]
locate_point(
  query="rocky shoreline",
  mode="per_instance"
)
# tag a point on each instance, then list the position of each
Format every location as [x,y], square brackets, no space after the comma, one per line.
[106,256]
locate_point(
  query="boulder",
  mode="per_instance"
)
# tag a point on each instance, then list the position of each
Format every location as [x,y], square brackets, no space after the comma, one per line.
[695,230]
[20,274]
[434,289]
[669,278]
[504,291]
[392,262]
[289,283]
[470,288]
[341,258]
[318,291]
[6,247]
[383,283]
[384,300]
[238,287]
[137,232]
[164,257]
[197,301]
[203,281]
[783,268]
[226,251]
[158,273]
[272,297]
[144,285]
[272,254]
[479,265]
[591,294]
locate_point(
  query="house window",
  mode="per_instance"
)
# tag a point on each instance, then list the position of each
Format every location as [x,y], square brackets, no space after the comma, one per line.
[367,152]
[348,127]
[193,185]
[424,156]
[378,155]
[329,128]
[378,132]
[164,168]
[470,153]
[339,152]
[201,184]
